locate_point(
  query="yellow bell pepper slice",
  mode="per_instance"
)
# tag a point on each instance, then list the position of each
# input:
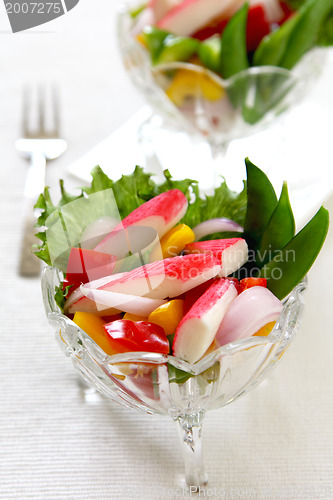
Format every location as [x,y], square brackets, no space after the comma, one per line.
[93,326]
[134,317]
[265,330]
[168,315]
[173,242]
[141,39]
[187,83]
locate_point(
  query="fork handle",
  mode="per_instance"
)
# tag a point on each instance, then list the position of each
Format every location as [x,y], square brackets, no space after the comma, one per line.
[29,264]
[35,180]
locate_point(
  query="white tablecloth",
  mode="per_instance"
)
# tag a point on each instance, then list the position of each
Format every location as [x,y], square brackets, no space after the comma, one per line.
[59,441]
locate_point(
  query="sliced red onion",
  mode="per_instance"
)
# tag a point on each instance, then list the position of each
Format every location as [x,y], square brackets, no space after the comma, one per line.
[97,230]
[216,225]
[250,311]
[133,304]
[77,294]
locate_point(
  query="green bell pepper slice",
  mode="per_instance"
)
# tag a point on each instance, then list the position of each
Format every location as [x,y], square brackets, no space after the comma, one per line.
[164,47]
[154,38]
[177,48]
[209,53]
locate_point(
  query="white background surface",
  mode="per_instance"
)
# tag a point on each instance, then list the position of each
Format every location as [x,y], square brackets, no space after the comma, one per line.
[58,441]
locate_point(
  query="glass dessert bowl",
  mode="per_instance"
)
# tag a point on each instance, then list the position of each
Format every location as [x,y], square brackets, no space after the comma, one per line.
[164,385]
[239,303]
[195,100]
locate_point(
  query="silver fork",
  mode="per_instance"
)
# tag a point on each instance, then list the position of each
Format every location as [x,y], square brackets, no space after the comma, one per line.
[37,144]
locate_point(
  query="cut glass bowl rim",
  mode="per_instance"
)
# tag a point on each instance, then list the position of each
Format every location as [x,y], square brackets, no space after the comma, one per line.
[297,83]
[124,35]
[224,82]
[280,330]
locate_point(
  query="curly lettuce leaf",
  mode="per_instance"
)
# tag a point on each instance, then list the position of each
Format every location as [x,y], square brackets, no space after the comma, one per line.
[66,221]
[263,219]
[222,203]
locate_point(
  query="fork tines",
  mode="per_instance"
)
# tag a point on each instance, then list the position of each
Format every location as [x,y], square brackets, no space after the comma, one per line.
[41,112]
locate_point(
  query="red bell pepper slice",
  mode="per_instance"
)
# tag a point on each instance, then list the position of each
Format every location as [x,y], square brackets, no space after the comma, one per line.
[87,265]
[138,335]
[257,27]
[214,28]
[246,283]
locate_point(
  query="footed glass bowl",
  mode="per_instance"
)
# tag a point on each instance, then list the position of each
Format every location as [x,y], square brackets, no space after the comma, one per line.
[164,385]
[196,99]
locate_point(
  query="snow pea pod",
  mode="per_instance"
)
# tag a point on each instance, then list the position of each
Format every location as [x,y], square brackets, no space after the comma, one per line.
[272,48]
[279,230]
[285,46]
[306,32]
[295,259]
[264,92]
[233,44]
[325,35]
[261,203]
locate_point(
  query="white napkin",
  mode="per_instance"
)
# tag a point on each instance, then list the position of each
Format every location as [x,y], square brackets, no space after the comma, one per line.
[291,149]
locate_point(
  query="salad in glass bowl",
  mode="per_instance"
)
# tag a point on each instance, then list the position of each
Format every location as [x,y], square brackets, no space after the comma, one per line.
[224,68]
[173,302]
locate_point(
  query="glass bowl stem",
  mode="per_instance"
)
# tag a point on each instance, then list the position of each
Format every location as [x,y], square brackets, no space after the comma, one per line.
[190,431]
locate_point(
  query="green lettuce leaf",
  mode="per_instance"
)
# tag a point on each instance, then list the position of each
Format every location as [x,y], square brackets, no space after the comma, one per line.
[268,223]
[62,225]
